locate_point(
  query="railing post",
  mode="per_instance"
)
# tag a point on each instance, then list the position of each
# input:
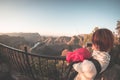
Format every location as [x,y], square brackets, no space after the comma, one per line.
[28,62]
[25,49]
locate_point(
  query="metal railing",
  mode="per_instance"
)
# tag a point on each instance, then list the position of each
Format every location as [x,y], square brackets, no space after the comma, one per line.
[37,67]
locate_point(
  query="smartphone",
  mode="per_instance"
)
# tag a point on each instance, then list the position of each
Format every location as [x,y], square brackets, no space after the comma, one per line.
[89,44]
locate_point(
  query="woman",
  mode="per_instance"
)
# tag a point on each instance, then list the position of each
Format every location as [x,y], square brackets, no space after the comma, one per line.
[102,43]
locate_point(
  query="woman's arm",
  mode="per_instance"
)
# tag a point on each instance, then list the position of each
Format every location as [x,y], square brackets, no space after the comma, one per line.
[86,68]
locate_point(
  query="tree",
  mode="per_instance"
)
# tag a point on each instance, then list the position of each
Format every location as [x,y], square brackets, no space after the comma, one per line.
[118,30]
[96,28]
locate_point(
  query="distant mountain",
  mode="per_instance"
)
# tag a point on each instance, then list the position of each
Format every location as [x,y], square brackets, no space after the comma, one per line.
[45,45]
[16,42]
[30,37]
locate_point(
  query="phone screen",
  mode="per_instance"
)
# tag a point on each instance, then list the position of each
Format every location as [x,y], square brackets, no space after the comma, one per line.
[89,44]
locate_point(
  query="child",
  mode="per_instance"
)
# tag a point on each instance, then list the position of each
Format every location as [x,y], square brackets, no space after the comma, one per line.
[102,42]
[78,55]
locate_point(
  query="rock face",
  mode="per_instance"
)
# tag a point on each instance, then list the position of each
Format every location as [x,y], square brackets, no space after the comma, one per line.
[55,46]
[75,40]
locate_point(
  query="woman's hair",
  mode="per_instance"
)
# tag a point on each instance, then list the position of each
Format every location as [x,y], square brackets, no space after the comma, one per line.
[103,39]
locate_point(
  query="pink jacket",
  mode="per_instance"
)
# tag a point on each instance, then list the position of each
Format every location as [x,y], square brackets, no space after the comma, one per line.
[78,55]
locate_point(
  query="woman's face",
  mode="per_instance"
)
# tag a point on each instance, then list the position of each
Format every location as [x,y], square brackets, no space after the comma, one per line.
[94,47]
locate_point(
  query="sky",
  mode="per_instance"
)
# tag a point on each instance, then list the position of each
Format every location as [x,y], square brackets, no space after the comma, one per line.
[58,17]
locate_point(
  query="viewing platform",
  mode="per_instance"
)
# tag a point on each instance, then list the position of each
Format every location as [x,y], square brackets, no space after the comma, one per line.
[16,64]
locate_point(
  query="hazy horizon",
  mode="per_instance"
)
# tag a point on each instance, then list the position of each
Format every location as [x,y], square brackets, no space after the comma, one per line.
[4,33]
[58,18]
